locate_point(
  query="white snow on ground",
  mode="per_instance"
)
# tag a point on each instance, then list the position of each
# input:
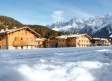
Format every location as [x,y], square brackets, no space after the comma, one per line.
[57,64]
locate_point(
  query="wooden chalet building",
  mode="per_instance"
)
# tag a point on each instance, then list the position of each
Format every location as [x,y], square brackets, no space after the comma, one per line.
[51,42]
[100,42]
[74,40]
[21,38]
[41,42]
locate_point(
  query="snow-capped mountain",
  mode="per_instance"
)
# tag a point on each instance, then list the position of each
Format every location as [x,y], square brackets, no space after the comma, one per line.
[92,26]
[74,23]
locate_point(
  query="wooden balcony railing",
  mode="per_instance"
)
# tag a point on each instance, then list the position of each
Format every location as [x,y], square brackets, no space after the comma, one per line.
[86,43]
[23,43]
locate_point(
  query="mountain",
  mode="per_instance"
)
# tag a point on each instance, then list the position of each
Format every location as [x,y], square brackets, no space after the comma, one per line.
[69,26]
[98,26]
[94,26]
[10,22]
[42,30]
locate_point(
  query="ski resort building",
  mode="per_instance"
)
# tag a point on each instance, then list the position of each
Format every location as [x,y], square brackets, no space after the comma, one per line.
[21,38]
[100,42]
[74,40]
[41,42]
[51,42]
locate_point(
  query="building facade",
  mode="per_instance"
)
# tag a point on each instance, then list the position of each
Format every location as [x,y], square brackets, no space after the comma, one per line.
[41,42]
[51,42]
[22,38]
[100,42]
[75,40]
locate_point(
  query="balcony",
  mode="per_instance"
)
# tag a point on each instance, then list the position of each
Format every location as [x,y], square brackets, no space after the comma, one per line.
[23,43]
[84,43]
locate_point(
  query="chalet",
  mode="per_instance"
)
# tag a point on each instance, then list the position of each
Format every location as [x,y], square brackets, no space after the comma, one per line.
[41,42]
[74,40]
[21,38]
[100,42]
[51,42]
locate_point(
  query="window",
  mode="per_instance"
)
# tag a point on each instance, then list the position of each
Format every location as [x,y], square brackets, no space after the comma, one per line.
[21,31]
[16,47]
[21,38]
[31,47]
[27,47]
[26,32]
[31,39]
[15,39]
[26,39]
[21,47]
[87,41]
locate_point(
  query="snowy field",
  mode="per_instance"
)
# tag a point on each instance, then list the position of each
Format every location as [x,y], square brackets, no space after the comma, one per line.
[57,64]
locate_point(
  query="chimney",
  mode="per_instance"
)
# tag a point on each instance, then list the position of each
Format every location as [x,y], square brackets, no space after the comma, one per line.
[2,30]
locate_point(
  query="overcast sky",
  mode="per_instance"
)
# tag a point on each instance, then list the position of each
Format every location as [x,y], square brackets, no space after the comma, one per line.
[43,12]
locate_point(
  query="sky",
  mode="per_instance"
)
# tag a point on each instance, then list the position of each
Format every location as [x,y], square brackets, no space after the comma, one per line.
[42,12]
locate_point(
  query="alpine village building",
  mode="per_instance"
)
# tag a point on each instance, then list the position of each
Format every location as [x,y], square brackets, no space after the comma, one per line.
[26,38]
[41,42]
[21,38]
[75,40]
[51,42]
[100,42]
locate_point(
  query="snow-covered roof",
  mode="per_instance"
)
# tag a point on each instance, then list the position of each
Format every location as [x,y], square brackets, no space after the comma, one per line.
[110,36]
[69,36]
[12,30]
[96,38]
[62,37]
[7,31]
[101,39]
[39,39]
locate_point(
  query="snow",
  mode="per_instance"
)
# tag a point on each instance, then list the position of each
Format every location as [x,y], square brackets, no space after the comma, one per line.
[7,31]
[39,39]
[69,36]
[57,64]
[101,39]
[93,23]
[67,26]
[110,36]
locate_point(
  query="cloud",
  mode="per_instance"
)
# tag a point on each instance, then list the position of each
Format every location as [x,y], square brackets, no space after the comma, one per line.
[57,16]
